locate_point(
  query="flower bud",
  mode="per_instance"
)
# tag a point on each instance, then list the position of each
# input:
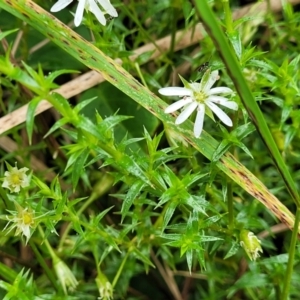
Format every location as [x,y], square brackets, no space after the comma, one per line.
[250,243]
[64,274]
[104,286]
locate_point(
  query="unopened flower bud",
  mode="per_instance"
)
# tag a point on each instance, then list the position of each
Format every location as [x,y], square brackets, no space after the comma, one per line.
[104,286]
[64,274]
[250,243]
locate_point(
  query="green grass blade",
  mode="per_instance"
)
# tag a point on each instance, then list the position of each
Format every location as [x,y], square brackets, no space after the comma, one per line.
[212,27]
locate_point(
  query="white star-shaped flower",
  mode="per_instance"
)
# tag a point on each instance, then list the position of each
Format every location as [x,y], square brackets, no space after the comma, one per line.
[22,220]
[15,179]
[200,97]
[90,5]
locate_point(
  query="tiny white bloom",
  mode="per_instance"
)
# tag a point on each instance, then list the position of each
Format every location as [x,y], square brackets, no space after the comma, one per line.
[90,5]
[23,219]
[200,96]
[15,178]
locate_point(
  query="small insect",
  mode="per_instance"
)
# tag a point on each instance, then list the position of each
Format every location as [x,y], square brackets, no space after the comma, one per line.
[109,18]
[203,67]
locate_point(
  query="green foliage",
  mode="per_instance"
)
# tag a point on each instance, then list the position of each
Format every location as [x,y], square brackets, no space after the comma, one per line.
[110,198]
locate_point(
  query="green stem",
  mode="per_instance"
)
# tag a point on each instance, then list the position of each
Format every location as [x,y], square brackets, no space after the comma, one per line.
[120,270]
[230,204]
[7,273]
[46,243]
[292,250]
[103,185]
[91,228]
[228,16]
[9,205]
[229,58]
[230,200]
[138,69]
[174,15]
[42,262]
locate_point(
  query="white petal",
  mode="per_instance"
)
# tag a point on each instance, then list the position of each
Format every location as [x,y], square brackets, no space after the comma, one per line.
[220,113]
[25,230]
[199,120]
[223,101]
[214,75]
[186,112]
[59,5]
[6,184]
[108,7]
[177,105]
[94,8]
[79,12]
[220,90]
[175,91]
[16,188]
[196,86]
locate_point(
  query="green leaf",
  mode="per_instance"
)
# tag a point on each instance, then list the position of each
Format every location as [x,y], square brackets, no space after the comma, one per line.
[6,33]
[210,221]
[189,259]
[78,167]
[220,150]
[110,100]
[53,75]
[83,104]
[63,107]
[131,195]
[7,273]
[236,43]
[244,130]
[61,122]
[30,116]
[142,257]
[168,214]
[249,280]
[233,250]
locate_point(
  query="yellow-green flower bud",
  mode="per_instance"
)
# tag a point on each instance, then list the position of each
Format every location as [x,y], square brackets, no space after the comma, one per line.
[64,274]
[250,243]
[104,286]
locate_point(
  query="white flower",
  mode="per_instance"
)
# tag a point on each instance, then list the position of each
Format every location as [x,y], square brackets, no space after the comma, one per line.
[15,179]
[90,5]
[22,219]
[202,97]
